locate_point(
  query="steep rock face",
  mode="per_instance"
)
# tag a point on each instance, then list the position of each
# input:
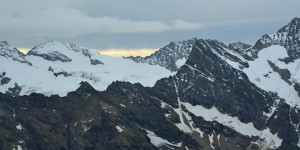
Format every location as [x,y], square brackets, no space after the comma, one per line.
[288,36]
[10,52]
[274,64]
[174,55]
[171,56]
[216,83]
[239,47]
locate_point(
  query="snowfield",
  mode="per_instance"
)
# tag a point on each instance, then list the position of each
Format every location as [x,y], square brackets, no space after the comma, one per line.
[262,75]
[41,78]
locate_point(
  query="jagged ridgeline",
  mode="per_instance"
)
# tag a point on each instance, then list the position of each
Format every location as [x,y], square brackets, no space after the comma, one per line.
[222,96]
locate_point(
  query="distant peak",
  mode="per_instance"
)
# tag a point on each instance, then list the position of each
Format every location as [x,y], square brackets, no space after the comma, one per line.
[53,42]
[292,28]
[4,43]
[85,87]
[296,19]
[294,22]
[70,46]
[59,51]
[10,52]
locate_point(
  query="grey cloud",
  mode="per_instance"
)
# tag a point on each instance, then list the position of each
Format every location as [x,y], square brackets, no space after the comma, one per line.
[131,23]
[67,22]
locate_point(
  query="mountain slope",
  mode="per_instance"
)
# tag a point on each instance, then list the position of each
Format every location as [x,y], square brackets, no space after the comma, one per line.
[174,55]
[222,97]
[288,37]
[171,56]
[57,68]
[203,106]
[239,47]
[9,52]
[275,66]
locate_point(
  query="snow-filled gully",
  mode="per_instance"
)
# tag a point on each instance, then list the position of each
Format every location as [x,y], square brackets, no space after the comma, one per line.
[269,140]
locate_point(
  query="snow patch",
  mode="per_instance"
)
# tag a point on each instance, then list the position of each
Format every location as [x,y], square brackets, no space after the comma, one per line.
[19,127]
[211,140]
[272,140]
[180,62]
[119,129]
[182,126]
[260,66]
[18,148]
[158,141]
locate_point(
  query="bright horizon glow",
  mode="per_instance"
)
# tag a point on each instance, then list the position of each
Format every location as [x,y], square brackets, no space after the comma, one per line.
[126,52]
[24,50]
[114,52]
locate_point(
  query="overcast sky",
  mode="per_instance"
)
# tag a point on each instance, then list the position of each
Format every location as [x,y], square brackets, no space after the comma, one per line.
[140,24]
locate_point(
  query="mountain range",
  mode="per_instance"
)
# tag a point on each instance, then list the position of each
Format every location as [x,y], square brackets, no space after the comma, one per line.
[189,95]
[57,68]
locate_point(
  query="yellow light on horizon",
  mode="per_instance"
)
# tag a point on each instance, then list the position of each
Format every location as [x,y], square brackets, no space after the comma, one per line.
[126,52]
[113,52]
[24,50]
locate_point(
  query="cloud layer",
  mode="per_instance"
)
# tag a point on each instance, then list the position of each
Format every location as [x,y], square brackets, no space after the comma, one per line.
[124,23]
[69,22]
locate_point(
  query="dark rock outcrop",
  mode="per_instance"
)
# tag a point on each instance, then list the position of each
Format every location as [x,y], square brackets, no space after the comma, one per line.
[10,52]
[288,37]
[55,56]
[168,55]
[96,62]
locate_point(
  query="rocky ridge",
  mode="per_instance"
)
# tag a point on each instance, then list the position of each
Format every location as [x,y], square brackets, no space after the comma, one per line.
[10,52]
[220,98]
[204,106]
[168,56]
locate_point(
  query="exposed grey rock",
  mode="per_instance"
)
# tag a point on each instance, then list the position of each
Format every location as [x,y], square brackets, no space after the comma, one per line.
[239,47]
[168,55]
[55,56]
[284,73]
[288,37]
[10,52]
[96,62]
[4,80]
[65,74]
[15,91]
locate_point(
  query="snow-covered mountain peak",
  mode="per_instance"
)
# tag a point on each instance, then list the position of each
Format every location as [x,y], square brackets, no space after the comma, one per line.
[175,54]
[292,29]
[58,67]
[60,51]
[288,37]
[172,56]
[10,52]
[3,43]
